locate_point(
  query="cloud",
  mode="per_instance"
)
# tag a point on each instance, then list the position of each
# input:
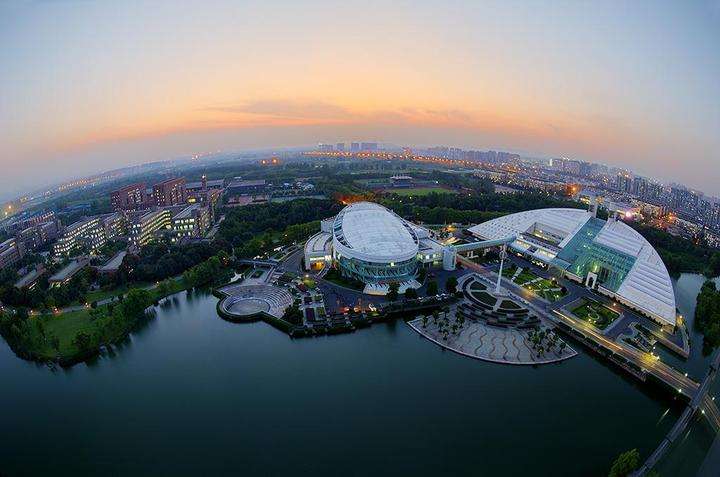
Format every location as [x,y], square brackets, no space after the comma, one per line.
[286,108]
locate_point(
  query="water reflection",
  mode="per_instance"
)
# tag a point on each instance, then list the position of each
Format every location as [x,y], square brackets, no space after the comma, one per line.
[382,390]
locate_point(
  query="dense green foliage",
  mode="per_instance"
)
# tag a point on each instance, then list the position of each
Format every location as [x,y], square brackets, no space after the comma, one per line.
[73,336]
[207,272]
[159,260]
[410,293]
[42,297]
[707,315]
[257,229]
[393,290]
[468,208]
[625,464]
[242,224]
[293,314]
[681,255]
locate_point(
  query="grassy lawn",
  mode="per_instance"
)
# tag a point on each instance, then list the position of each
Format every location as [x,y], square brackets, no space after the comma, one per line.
[419,191]
[508,272]
[510,305]
[595,313]
[542,287]
[102,294]
[66,326]
[484,297]
[524,277]
[310,283]
[477,286]
[334,276]
[257,273]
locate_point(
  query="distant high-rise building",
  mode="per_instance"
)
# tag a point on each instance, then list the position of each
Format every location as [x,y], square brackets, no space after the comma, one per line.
[368,146]
[586,169]
[623,182]
[130,197]
[572,167]
[322,147]
[354,147]
[340,146]
[169,192]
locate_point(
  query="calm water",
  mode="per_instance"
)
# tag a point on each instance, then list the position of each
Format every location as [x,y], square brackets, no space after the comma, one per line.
[687,455]
[192,393]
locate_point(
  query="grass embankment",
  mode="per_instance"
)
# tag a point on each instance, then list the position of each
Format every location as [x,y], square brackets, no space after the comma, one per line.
[72,337]
[68,338]
[595,313]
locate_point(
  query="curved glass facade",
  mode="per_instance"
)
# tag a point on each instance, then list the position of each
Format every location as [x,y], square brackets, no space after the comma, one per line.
[368,272]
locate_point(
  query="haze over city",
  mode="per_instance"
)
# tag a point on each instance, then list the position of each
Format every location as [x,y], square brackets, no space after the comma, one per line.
[87,86]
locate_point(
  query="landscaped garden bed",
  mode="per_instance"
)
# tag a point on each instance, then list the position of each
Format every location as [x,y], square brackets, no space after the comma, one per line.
[597,314]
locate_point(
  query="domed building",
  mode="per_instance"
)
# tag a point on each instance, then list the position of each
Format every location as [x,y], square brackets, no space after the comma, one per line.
[370,243]
[373,244]
[608,256]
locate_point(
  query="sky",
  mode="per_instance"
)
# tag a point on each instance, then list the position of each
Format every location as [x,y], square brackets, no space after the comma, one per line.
[87,86]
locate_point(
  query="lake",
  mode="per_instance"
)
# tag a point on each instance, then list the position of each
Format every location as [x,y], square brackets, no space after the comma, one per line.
[191,393]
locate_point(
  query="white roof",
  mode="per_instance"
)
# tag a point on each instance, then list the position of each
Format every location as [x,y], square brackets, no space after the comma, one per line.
[372,233]
[561,220]
[647,286]
[318,243]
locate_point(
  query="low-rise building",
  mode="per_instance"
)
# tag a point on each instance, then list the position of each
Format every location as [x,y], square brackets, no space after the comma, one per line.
[239,187]
[113,265]
[88,233]
[69,271]
[36,236]
[193,221]
[115,225]
[147,225]
[30,279]
[204,184]
[10,253]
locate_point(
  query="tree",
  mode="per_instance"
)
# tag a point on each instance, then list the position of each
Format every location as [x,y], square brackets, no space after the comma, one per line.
[625,464]
[83,341]
[411,293]
[393,289]
[432,288]
[451,285]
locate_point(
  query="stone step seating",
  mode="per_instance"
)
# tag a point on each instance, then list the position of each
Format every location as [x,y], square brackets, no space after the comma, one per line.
[277,299]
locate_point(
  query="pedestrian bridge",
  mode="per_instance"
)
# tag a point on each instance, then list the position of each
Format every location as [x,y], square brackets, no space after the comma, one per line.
[450,254]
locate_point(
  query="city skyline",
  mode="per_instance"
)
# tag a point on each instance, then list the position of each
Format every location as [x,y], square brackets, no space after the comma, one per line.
[635,90]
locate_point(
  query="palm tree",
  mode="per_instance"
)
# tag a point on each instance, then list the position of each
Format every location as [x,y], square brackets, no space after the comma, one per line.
[435,315]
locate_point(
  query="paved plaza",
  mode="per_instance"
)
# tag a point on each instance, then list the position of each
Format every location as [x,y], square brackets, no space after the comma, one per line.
[493,327]
[497,345]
